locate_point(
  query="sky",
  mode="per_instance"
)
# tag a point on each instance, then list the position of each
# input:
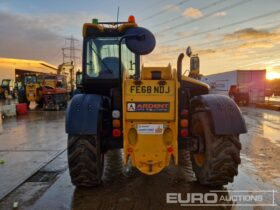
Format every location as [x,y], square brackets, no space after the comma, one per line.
[226,34]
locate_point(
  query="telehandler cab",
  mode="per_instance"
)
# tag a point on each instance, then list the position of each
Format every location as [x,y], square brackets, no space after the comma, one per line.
[150,112]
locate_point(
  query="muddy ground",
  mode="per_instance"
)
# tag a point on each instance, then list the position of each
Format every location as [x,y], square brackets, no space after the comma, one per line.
[34,173]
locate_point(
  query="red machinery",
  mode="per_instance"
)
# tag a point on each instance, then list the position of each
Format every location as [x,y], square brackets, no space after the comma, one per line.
[55,93]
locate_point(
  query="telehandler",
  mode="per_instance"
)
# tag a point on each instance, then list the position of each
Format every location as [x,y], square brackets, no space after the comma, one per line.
[7,89]
[149,112]
[33,90]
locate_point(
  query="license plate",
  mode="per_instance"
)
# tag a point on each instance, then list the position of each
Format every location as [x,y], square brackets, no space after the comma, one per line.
[149,89]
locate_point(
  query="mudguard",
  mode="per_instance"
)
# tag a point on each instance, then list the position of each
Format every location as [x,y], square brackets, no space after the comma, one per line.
[226,116]
[83,113]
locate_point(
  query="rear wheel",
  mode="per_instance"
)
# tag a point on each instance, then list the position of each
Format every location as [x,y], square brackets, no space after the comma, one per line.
[85,160]
[218,161]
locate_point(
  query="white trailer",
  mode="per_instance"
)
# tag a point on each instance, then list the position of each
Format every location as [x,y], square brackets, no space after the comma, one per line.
[247,81]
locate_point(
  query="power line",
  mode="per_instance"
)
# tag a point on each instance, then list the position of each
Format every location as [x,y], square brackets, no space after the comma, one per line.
[225,26]
[207,15]
[225,44]
[254,56]
[152,5]
[69,53]
[180,16]
[164,10]
[230,44]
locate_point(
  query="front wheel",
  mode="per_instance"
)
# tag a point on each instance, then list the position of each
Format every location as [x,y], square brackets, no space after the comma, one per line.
[217,163]
[85,160]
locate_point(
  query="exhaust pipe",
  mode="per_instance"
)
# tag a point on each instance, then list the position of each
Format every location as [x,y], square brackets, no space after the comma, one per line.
[179,66]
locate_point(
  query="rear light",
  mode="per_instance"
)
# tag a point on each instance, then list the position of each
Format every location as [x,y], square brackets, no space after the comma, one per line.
[132,136]
[184,132]
[129,150]
[184,113]
[170,149]
[116,123]
[184,123]
[116,133]
[116,114]
[167,136]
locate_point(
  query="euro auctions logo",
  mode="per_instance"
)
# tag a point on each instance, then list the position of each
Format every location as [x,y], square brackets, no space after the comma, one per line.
[224,198]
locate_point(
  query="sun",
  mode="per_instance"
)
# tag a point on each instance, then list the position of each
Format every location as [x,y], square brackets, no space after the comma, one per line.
[272,75]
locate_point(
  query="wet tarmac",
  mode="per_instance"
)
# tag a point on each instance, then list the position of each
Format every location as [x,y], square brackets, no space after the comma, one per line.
[28,143]
[125,188]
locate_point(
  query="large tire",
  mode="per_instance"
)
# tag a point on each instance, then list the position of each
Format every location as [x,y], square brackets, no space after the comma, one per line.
[217,163]
[85,160]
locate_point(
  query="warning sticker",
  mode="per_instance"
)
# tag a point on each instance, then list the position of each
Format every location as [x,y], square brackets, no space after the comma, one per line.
[148,107]
[150,129]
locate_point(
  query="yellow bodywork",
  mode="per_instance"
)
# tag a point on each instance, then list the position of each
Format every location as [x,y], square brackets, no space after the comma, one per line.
[33,92]
[149,120]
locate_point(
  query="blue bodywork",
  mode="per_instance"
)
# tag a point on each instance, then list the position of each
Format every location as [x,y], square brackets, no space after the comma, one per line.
[83,114]
[226,116]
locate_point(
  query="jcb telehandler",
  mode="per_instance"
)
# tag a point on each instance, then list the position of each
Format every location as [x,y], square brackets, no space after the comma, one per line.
[150,112]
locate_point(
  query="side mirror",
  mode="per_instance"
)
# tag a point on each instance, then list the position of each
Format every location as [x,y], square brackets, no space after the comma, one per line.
[189,51]
[140,40]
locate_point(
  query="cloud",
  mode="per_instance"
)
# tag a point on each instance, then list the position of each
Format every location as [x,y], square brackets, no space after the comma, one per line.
[251,33]
[40,36]
[172,8]
[252,45]
[192,13]
[206,52]
[220,14]
[182,33]
[24,37]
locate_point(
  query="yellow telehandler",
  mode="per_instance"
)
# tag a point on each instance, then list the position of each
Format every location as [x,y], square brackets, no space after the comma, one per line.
[149,112]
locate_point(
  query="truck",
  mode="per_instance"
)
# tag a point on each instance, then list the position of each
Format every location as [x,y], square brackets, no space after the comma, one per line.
[243,86]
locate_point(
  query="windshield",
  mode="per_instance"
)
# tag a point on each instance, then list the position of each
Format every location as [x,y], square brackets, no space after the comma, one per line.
[102,58]
[30,79]
[5,83]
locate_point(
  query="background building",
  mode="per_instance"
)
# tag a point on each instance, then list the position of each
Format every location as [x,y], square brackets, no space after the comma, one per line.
[15,68]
